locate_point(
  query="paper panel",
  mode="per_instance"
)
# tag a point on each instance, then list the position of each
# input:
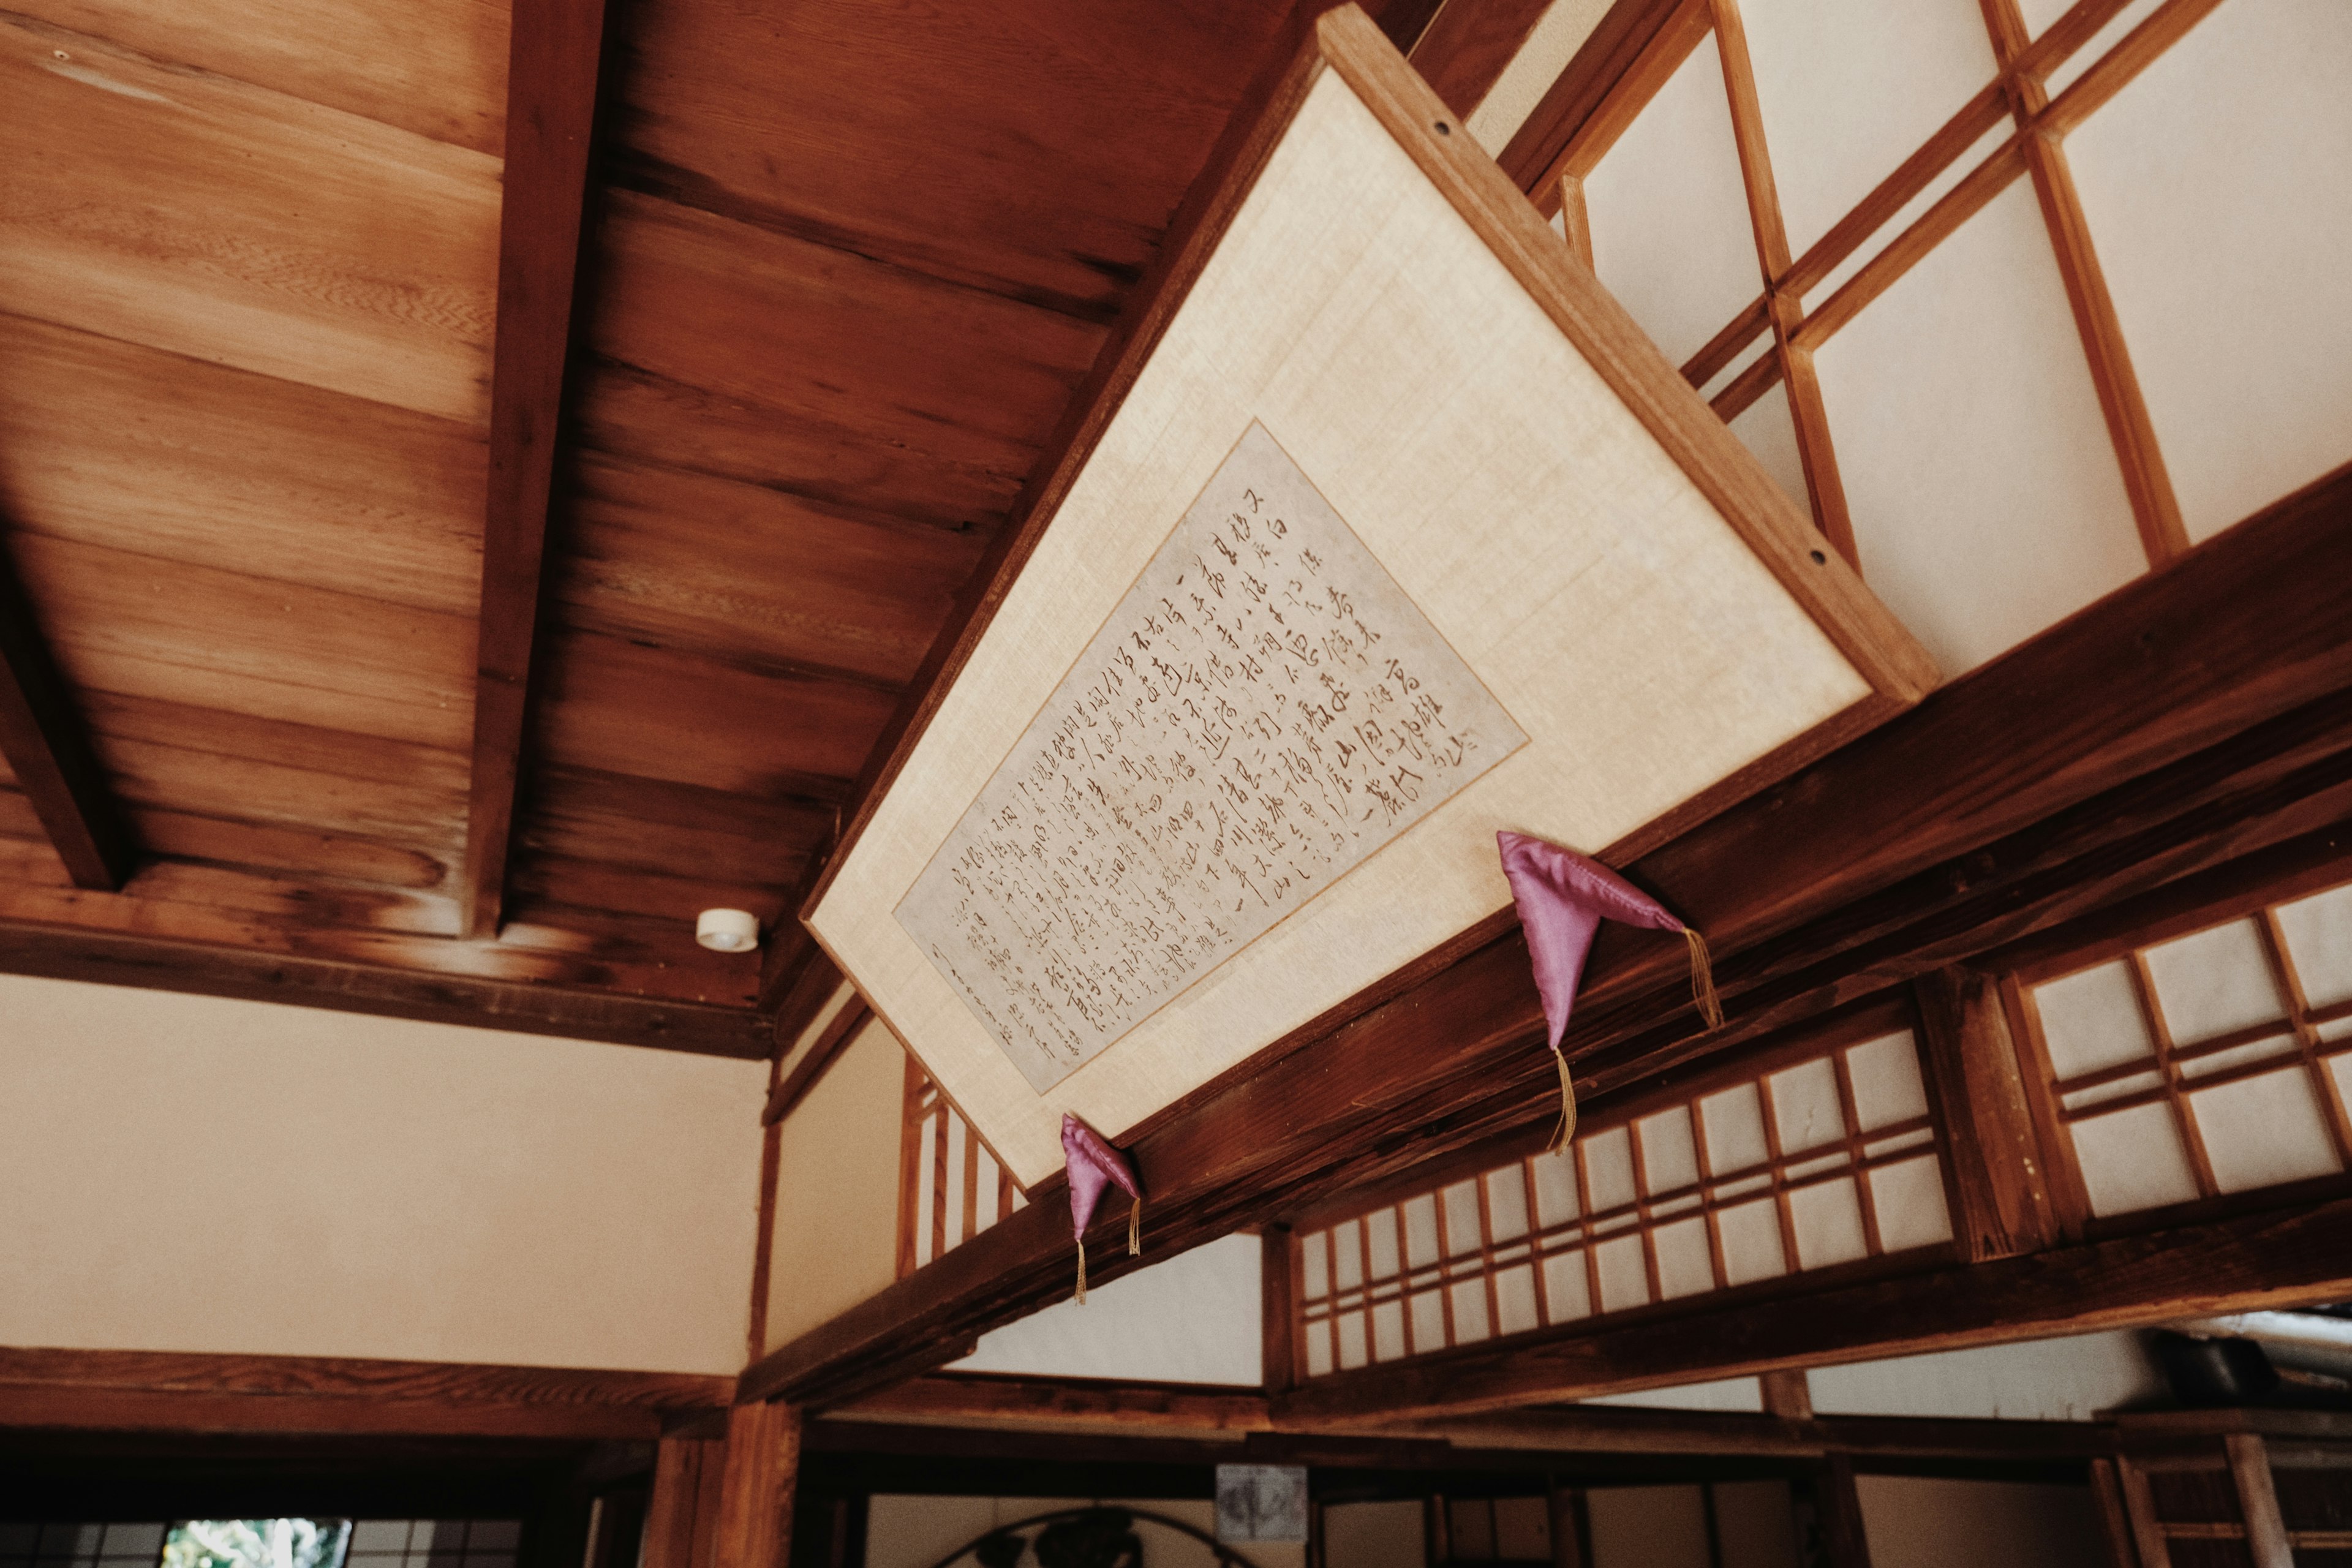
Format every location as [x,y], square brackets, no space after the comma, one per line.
[1264,708]
[1566,556]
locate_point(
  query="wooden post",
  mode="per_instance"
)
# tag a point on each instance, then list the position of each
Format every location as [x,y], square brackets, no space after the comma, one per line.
[755,1501]
[2115,1517]
[1837,1511]
[1787,1394]
[2250,1468]
[682,1514]
[1279,1369]
[2139,1508]
[1998,1180]
[1570,1530]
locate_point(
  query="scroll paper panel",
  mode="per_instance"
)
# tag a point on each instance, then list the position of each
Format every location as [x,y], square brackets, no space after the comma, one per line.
[1264,708]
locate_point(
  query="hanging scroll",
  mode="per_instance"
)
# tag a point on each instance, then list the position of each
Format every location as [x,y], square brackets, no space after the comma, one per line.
[1263,709]
[1547,554]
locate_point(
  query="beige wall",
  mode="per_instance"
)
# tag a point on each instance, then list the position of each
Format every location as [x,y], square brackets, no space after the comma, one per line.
[837,1239]
[1916,1522]
[191,1173]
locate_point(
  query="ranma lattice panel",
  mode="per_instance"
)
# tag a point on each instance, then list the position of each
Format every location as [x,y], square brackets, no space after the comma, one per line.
[1793,1163]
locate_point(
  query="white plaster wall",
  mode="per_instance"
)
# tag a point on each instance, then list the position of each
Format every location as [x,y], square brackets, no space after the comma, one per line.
[191,1173]
[1193,1317]
[1740,1394]
[836,1240]
[2034,1380]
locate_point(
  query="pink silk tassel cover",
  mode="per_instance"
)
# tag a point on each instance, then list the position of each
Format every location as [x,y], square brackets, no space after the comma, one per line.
[1562,897]
[1093,1165]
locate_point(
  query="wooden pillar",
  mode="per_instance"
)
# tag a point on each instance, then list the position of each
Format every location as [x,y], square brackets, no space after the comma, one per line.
[1997,1176]
[2258,1504]
[1837,1513]
[755,1499]
[2115,1514]
[682,1514]
[1787,1394]
[1572,1530]
[2140,1508]
[1279,1369]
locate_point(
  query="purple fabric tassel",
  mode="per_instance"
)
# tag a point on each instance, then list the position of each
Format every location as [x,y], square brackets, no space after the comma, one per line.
[1562,897]
[1093,1165]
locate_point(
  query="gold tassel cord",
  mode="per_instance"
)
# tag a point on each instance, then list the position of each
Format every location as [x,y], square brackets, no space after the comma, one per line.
[1135,1228]
[1710,1005]
[1567,1105]
[1082,1270]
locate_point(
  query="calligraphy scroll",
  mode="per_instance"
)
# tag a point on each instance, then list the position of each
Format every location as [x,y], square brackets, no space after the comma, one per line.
[1263,711]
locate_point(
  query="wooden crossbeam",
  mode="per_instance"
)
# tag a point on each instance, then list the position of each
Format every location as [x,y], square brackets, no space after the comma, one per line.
[1103,1411]
[42,737]
[551,73]
[2194,717]
[170,1391]
[119,958]
[2282,1259]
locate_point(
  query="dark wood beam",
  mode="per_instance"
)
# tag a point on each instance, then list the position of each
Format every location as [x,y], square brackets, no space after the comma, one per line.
[1091,1402]
[115,958]
[2196,715]
[1107,1414]
[1466,46]
[2279,1258]
[155,1391]
[1628,28]
[814,1063]
[46,745]
[554,57]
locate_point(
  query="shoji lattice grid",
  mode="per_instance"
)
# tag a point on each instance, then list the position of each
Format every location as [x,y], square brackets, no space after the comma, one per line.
[950,1187]
[433,1544]
[1798,1163]
[2212,1063]
[81,1545]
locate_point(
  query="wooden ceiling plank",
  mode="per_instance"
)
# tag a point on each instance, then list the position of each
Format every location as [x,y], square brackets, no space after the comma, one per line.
[48,748]
[2121,727]
[1053,137]
[555,53]
[2255,1262]
[431,67]
[115,445]
[211,217]
[124,958]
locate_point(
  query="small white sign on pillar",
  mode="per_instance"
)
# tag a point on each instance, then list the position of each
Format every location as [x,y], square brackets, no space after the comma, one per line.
[1261,1502]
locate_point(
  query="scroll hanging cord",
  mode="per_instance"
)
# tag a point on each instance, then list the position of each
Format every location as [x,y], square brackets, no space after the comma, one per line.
[1567,1105]
[1135,1228]
[1082,1269]
[1710,1005]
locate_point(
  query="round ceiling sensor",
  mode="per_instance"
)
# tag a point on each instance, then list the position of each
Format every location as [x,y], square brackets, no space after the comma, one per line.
[728,930]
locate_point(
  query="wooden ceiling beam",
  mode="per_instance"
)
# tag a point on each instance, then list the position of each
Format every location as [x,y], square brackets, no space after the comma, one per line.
[1106,1412]
[553,61]
[43,736]
[2284,1258]
[128,1391]
[2195,716]
[117,958]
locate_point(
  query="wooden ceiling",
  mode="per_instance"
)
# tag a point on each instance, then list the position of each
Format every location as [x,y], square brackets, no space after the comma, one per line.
[288,311]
